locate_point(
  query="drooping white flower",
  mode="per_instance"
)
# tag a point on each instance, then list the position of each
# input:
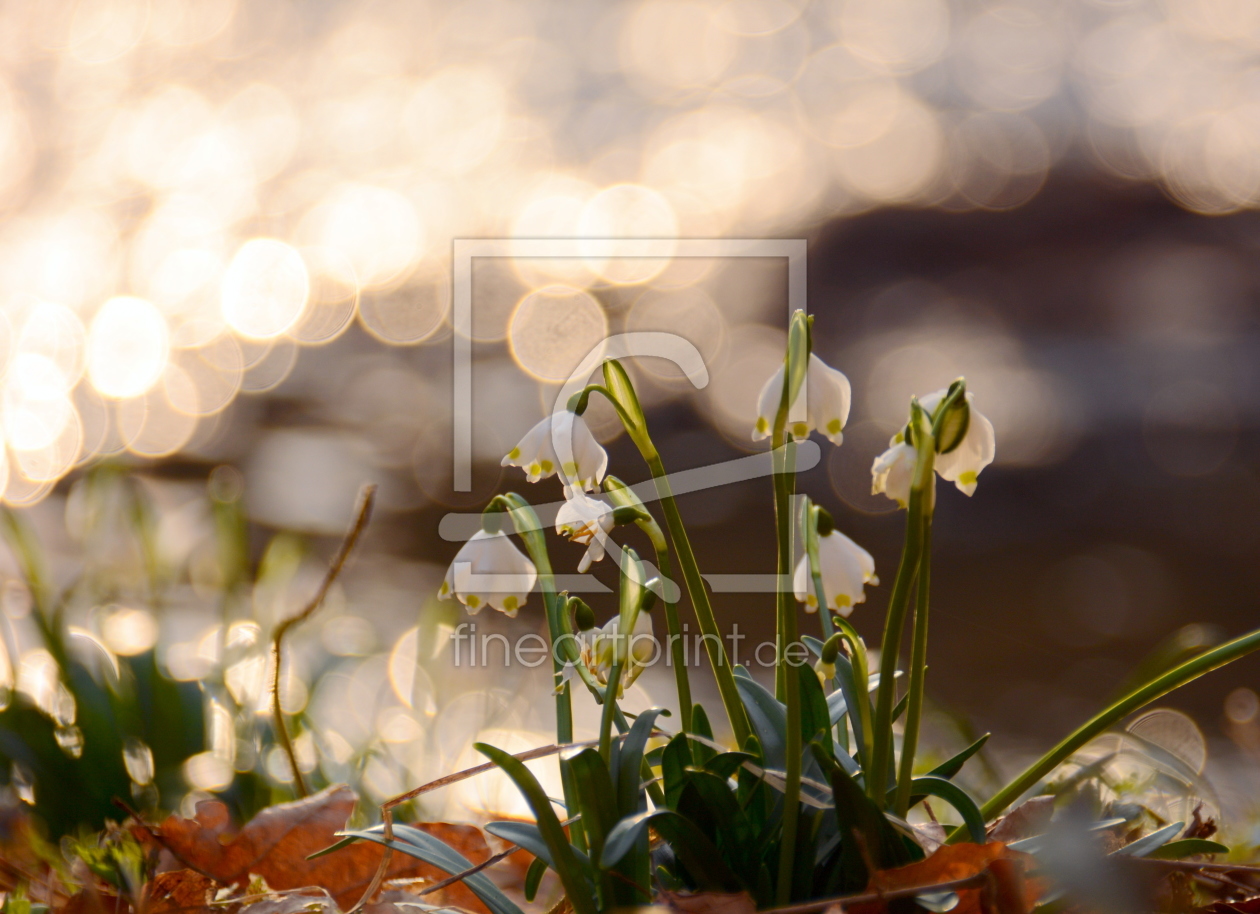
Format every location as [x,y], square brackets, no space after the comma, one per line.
[963,464]
[537,454]
[822,404]
[587,521]
[489,570]
[845,568]
[599,647]
[892,473]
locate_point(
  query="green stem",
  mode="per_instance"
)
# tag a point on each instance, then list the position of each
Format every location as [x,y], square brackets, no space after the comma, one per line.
[677,650]
[722,671]
[525,521]
[918,673]
[609,712]
[784,479]
[898,603]
[1135,700]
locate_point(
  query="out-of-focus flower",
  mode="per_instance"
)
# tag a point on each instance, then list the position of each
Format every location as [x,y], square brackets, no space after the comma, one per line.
[587,521]
[963,464]
[892,473]
[826,397]
[845,568]
[489,569]
[599,647]
[536,452]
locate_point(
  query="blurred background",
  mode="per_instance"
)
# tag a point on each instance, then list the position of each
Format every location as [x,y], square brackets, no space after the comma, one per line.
[225,249]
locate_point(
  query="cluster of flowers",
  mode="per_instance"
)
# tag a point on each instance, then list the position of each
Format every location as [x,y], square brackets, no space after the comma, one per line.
[490,570]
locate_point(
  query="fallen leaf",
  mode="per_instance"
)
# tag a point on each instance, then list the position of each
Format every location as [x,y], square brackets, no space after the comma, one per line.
[960,861]
[277,841]
[710,902]
[178,890]
[1032,817]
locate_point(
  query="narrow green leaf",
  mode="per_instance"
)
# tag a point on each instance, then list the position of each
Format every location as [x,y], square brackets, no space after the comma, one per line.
[701,727]
[695,851]
[815,715]
[951,767]
[1156,839]
[423,846]
[675,761]
[955,796]
[1138,698]
[629,771]
[1187,847]
[596,796]
[533,876]
[564,857]
[768,718]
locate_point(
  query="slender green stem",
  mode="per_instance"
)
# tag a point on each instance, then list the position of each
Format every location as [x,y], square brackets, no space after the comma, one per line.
[525,521]
[722,671]
[610,707]
[1112,714]
[861,681]
[918,673]
[921,494]
[784,479]
[677,650]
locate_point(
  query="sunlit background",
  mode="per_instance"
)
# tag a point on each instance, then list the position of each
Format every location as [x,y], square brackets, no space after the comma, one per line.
[225,242]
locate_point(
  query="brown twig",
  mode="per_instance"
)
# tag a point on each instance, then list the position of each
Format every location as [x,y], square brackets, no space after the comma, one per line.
[367,496]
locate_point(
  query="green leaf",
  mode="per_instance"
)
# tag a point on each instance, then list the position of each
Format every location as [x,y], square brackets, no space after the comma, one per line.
[423,846]
[1138,698]
[768,718]
[596,796]
[629,776]
[533,876]
[564,857]
[728,763]
[815,715]
[856,812]
[951,767]
[955,796]
[1145,845]
[675,761]
[695,851]
[524,835]
[700,726]
[619,385]
[1187,847]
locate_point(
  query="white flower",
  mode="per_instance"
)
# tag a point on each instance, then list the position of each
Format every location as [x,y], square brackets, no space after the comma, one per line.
[587,521]
[845,568]
[822,404]
[892,473]
[536,453]
[963,464]
[489,569]
[599,646]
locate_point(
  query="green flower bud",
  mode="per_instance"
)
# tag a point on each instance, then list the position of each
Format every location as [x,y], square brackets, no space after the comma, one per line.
[953,422]
[492,518]
[583,615]
[629,514]
[831,650]
[825,522]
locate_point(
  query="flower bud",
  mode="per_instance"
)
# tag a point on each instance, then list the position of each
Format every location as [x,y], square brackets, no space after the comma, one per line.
[649,595]
[629,514]
[953,424]
[825,522]
[583,615]
[492,518]
[831,649]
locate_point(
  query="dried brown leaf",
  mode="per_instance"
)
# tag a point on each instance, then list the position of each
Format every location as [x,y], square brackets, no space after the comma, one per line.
[962,861]
[1032,817]
[277,841]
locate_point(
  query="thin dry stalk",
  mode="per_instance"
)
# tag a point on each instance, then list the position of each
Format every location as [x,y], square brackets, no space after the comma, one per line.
[367,496]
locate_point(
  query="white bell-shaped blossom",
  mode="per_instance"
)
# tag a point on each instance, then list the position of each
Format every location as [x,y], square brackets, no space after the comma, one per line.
[822,404]
[892,473]
[536,453]
[599,647]
[588,521]
[846,568]
[963,464]
[489,570]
